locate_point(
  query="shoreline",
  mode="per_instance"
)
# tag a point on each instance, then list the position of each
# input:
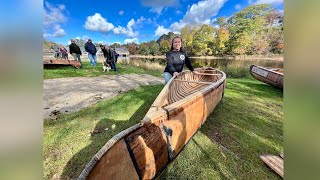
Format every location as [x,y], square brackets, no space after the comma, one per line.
[240,57]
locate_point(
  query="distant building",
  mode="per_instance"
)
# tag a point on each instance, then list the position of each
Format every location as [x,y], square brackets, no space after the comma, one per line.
[122,52]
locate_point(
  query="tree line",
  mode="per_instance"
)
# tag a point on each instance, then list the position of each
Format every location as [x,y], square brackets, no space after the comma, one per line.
[255,30]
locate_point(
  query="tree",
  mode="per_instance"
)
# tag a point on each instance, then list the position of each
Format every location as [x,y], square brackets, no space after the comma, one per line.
[115,45]
[167,37]
[222,22]
[245,25]
[203,42]
[164,46]
[222,37]
[154,48]
[131,47]
[144,49]
[187,34]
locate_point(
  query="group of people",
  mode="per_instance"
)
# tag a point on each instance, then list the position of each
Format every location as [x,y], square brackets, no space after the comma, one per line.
[60,52]
[110,56]
[176,57]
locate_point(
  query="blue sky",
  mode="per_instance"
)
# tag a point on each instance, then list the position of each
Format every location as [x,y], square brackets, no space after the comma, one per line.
[122,21]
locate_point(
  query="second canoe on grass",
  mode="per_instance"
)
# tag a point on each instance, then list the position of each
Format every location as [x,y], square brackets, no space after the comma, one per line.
[272,76]
[144,150]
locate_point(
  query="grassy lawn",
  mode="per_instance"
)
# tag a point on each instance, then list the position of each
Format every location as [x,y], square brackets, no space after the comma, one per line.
[248,122]
[91,71]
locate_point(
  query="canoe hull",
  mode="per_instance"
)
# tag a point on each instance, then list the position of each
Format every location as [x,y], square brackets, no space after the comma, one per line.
[267,76]
[146,149]
[56,63]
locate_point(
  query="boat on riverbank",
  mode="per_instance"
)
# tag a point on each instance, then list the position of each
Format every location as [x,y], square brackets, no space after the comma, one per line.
[144,150]
[48,63]
[272,76]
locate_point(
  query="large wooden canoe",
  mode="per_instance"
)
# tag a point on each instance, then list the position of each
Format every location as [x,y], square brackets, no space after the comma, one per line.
[144,150]
[47,63]
[272,76]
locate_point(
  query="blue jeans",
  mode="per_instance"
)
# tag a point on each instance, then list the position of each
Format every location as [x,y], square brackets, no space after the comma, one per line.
[167,77]
[93,59]
[113,65]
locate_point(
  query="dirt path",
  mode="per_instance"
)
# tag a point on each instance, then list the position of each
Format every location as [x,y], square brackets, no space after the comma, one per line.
[66,95]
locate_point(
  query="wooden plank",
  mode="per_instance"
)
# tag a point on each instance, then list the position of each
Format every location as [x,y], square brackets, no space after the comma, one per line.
[193,81]
[274,162]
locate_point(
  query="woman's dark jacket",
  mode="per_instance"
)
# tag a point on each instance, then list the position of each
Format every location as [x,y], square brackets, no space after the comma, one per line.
[176,61]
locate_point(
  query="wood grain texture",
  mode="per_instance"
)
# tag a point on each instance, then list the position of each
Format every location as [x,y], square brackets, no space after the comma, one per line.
[172,120]
[274,162]
[115,164]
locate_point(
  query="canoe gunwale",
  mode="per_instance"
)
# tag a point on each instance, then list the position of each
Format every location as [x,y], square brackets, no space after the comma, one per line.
[95,159]
[270,70]
[268,79]
[161,114]
[183,102]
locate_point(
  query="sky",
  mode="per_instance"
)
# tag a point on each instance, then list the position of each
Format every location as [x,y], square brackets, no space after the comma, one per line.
[125,21]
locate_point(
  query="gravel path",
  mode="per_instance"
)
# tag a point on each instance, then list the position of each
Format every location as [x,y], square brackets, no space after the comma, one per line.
[66,95]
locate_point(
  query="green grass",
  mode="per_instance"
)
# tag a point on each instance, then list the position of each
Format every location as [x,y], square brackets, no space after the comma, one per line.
[92,71]
[247,123]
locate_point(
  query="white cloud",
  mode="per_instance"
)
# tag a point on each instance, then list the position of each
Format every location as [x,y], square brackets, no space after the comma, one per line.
[135,40]
[199,13]
[237,7]
[58,32]
[140,20]
[54,14]
[161,30]
[269,2]
[128,31]
[98,23]
[121,13]
[158,5]
[250,1]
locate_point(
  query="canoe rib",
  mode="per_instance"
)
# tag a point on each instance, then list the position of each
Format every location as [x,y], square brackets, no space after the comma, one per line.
[145,150]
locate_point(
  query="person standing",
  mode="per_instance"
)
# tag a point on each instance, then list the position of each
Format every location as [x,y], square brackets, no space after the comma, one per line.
[109,55]
[92,50]
[55,49]
[176,58]
[75,51]
[64,53]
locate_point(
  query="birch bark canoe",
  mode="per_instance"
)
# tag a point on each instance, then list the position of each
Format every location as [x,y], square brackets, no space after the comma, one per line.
[144,150]
[272,76]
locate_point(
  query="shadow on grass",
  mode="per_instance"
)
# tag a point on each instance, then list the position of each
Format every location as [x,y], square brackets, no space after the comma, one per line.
[246,129]
[102,112]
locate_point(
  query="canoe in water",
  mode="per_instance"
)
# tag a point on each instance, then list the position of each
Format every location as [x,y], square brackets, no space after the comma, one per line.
[272,76]
[55,63]
[144,150]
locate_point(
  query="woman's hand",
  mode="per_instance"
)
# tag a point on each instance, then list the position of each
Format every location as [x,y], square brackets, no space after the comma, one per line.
[176,74]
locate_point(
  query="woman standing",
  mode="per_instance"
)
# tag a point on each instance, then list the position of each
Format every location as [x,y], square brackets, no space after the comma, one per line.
[176,58]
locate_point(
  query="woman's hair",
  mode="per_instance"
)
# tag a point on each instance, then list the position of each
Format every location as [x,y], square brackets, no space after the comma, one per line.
[181,49]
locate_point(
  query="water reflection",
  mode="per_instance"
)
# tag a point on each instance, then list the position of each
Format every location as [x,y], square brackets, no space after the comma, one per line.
[233,68]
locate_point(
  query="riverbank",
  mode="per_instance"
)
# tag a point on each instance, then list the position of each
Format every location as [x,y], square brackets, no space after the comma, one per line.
[239,57]
[247,123]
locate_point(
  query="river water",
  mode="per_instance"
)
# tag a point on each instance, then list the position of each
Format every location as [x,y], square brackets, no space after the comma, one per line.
[233,67]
